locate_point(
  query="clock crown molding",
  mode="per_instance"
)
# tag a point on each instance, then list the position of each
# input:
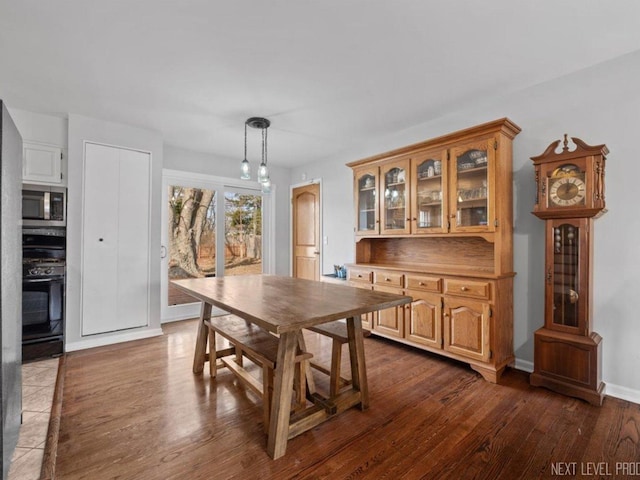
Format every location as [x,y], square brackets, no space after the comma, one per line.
[582,150]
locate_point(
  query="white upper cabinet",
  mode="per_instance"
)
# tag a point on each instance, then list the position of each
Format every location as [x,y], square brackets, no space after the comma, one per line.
[41,163]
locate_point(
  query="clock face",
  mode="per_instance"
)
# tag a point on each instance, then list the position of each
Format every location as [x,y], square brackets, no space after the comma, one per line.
[566,186]
[567,191]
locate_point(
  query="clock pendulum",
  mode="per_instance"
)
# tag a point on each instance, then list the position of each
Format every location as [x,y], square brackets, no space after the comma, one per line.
[569,196]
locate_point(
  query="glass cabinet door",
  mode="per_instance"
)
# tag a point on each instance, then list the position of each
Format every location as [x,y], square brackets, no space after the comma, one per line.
[428,204]
[366,187]
[395,197]
[471,188]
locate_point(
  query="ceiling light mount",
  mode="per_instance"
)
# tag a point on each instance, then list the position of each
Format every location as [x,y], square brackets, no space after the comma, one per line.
[258,122]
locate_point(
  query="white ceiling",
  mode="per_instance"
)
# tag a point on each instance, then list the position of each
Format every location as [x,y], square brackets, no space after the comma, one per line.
[329,74]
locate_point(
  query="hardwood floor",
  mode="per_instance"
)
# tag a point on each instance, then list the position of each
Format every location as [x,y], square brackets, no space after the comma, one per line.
[135,411]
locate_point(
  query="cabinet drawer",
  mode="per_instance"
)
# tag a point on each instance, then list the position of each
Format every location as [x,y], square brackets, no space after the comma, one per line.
[427,284]
[362,275]
[390,279]
[468,288]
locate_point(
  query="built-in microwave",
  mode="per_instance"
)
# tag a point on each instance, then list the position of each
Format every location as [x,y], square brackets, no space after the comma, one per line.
[44,205]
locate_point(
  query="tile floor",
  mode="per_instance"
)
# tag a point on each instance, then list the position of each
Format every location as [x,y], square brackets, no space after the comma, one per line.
[38,384]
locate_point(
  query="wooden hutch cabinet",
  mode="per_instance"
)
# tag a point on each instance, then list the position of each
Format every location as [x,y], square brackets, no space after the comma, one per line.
[434,221]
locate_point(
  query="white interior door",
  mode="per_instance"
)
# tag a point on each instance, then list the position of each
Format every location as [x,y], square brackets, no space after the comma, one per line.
[115,243]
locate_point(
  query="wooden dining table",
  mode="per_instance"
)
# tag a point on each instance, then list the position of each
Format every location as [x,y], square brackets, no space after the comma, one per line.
[284,306]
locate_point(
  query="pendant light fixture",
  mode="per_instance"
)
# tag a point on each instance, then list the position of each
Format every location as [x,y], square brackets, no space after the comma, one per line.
[263,170]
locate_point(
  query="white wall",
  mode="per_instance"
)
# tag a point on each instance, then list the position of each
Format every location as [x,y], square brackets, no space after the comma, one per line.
[84,128]
[197,162]
[598,105]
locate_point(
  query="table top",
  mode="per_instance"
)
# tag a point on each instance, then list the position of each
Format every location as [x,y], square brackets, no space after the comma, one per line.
[283,304]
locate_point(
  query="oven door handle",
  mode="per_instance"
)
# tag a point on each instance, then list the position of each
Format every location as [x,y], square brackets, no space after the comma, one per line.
[42,280]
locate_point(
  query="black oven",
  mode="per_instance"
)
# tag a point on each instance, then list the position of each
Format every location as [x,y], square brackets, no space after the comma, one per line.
[43,292]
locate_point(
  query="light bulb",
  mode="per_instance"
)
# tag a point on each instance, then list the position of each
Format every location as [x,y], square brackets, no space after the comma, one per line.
[245,169]
[263,173]
[266,186]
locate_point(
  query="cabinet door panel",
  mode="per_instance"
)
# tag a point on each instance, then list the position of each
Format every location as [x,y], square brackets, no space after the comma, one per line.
[466,328]
[365,188]
[471,191]
[428,192]
[390,320]
[41,163]
[423,324]
[394,198]
[367,318]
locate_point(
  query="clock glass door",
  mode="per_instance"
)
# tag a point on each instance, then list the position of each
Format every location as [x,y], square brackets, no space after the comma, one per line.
[566,275]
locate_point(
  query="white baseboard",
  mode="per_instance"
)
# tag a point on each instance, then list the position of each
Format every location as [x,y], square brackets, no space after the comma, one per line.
[610,389]
[623,393]
[524,365]
[111,339]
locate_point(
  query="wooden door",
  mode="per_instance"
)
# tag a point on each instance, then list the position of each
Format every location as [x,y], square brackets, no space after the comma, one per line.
[394,198]
[367,318]
[424,321]
[429,200]
[365,190]
[471,187]
[466,328]
[391,320]
[306,231]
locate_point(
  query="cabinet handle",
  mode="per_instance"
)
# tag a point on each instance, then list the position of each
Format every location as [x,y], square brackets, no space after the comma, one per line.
[464,289]
[408,219]
[387,279]
[421,284]
[414,219]
[359,276]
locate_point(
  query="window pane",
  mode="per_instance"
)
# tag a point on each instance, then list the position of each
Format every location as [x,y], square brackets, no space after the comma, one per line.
[192,239]
[242,234]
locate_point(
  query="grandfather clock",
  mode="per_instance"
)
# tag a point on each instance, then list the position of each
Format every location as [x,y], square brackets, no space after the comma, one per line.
[569,196]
